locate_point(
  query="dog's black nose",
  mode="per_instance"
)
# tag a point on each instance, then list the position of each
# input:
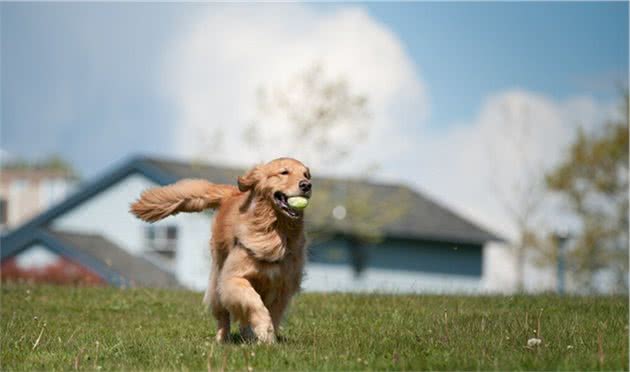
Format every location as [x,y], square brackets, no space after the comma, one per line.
[305,185]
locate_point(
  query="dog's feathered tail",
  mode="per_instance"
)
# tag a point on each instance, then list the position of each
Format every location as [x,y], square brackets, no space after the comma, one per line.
[188,195]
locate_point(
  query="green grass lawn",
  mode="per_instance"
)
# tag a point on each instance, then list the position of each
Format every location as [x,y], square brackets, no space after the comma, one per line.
[46,327]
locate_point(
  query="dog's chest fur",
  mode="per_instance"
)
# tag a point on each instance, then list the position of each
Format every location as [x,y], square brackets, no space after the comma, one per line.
[250,242]
[272,279]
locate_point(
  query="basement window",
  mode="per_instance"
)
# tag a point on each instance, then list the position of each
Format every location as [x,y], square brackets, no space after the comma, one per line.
[161,239]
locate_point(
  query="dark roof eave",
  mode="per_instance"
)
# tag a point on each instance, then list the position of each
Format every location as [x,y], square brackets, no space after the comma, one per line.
[444,239]
[453,238]
[421,237]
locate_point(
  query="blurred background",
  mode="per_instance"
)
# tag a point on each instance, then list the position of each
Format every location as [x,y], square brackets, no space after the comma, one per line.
[456,147]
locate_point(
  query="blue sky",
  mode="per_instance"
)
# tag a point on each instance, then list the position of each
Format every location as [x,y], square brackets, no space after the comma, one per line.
[468,50]
[102,56]
[99,82]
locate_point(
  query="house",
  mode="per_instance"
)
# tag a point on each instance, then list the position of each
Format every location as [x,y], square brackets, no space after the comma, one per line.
[364,236]
[26,191]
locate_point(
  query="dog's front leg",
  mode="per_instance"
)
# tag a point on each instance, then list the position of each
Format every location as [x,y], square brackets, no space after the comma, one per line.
[242,300]
[277,308]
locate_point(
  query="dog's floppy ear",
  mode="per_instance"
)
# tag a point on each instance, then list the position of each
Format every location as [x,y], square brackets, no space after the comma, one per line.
[250,179]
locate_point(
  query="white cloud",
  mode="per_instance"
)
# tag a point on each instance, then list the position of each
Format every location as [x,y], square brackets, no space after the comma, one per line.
[213,70]
[492,161]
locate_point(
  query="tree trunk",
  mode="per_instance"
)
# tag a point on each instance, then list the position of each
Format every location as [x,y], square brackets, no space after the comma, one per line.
[519,264]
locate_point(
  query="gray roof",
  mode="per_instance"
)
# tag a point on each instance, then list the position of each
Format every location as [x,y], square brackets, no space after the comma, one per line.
[397,210]
[139,271]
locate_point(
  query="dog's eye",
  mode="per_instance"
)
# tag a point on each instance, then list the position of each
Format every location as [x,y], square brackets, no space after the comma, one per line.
[284,172]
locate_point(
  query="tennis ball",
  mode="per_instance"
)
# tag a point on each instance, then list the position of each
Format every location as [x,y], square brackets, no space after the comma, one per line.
[297,202]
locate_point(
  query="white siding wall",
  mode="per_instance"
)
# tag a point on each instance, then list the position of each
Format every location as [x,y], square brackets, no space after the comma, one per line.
[324,277]
[499,271]
[193,250]
[27,196]
[17,201]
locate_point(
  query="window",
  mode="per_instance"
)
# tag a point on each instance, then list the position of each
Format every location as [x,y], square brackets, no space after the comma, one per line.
[4,213]
[171,233]
[161,239]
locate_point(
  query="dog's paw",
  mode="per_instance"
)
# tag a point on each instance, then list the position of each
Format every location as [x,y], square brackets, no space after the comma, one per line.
[222,336]
[247,334]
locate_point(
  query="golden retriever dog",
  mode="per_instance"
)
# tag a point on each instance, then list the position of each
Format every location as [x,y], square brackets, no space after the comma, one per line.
[257,243]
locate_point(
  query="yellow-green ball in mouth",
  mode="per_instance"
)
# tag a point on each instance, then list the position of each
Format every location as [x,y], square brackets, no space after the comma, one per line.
[297,202]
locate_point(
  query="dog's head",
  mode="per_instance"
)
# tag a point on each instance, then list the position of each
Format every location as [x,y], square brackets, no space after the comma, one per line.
[277,181]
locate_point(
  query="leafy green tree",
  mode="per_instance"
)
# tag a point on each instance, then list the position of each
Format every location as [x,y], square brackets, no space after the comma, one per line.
[593,180]
[521,197]
[325,117]
[52,162]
